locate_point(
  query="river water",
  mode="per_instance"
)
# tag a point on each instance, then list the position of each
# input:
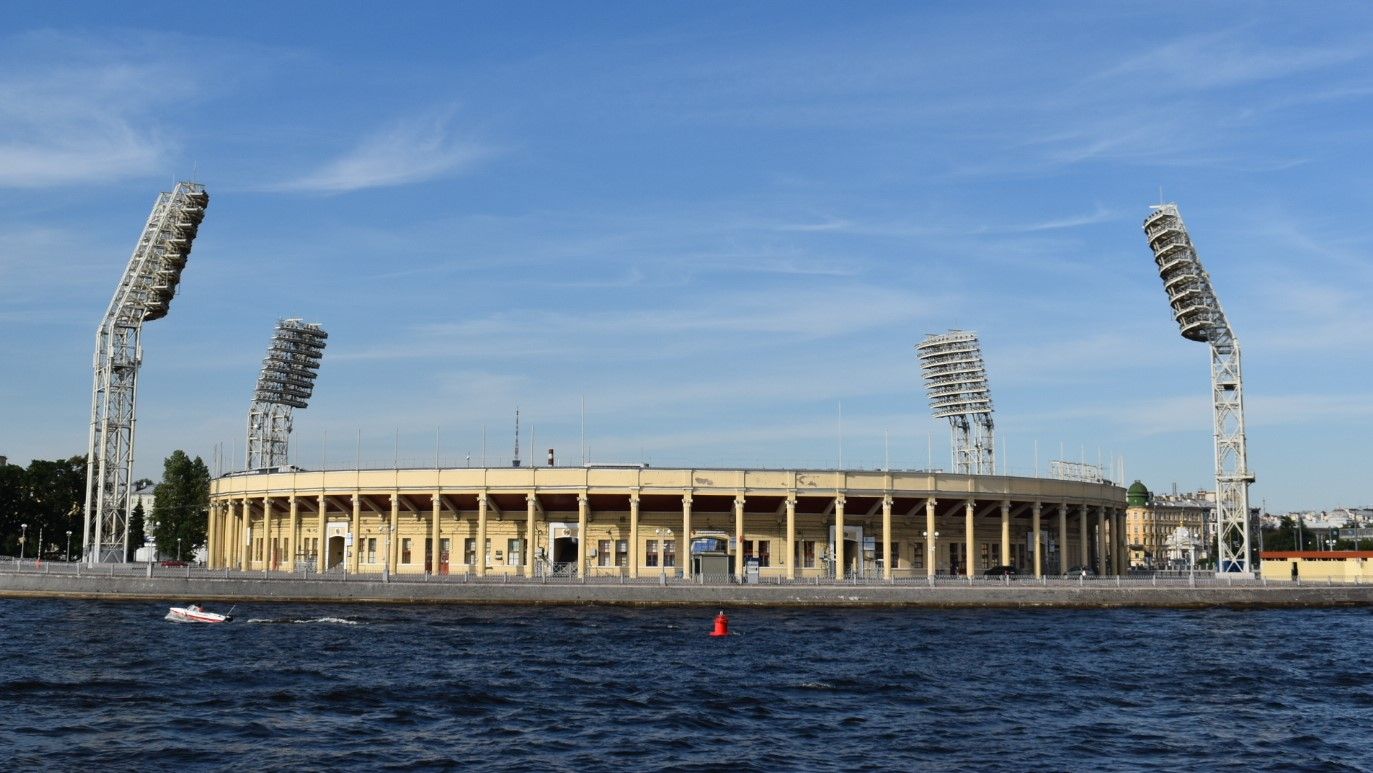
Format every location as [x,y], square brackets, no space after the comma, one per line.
[114,686]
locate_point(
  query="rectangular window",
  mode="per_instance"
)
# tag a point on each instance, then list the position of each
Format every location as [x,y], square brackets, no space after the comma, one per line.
[669,552]
[405,550]
[603,553]
[257,550]
[808,554]
[985,558]
[651,553]
[759,549]
[371,550]
[622,552]
[514,552]
[918,555]
[469,551]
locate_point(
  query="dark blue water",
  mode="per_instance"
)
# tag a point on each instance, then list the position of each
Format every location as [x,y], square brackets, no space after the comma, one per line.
[114,686]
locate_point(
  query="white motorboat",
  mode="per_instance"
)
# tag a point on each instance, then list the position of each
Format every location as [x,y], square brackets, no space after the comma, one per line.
[194,613]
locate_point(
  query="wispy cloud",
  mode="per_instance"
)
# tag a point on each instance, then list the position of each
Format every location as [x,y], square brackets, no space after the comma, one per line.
[1231,58]
[409,151]
[75,111]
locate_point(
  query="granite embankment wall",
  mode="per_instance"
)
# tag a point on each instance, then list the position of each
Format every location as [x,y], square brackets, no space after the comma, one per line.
[1091,595]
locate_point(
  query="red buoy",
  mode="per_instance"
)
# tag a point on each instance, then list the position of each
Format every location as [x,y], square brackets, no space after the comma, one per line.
[721,625]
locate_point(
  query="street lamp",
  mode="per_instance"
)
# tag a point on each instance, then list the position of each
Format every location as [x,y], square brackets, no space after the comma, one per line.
[69,546]
[23,538]
[39,553]
[178,548]
[664,534]
[929,546]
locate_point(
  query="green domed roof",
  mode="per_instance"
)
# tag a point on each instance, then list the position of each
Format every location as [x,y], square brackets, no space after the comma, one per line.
[1137,495]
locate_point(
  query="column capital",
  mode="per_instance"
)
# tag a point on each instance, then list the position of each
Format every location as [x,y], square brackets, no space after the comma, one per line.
[887,500]
[634,498]
[739,500]
[583,498]
[1005,505]
[531,498]
[686,500]
[1038,507]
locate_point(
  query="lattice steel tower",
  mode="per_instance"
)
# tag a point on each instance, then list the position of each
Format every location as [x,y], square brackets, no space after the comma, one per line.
[144,294]
[287,381]
[956,381]
[1201,318]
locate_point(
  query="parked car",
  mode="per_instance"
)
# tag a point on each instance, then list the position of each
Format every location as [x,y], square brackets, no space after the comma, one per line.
[174,562]
[1001,571]
[1077,571]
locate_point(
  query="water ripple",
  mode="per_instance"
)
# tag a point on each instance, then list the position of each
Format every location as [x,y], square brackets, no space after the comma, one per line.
[567,689]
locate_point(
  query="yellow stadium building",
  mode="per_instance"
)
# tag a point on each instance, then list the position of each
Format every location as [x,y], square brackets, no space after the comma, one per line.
[640,522]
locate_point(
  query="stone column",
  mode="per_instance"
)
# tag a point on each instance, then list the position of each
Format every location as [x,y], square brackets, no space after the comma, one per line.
[583,514]
[838,538]
[686,537]
[480,554]
[1084,549]
[739,538]
[293,538]
[886,538]
[243,535]
[393,536]
[434,534]
[1062,537]
[970,548]
[931,538]
[634,535]
[211,522]
[1038,540]
[1122,542]
[1102,567]
[353,562]
[322,558]
[268,555]
[531,505]
[1005,532]
[791,537]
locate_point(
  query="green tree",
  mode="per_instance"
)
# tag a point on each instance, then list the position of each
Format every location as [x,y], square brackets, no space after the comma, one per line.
[13,498]
[54,497]
[181,504]
[136,534]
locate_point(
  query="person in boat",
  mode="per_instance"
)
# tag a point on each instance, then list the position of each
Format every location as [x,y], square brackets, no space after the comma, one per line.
[194,608]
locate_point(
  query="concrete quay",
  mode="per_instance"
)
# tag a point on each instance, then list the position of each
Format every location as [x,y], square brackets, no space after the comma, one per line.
[190,585]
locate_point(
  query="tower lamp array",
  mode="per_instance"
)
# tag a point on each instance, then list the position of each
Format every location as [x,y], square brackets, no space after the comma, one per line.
[956,381]
[1200,318]
[144,294]
[286,382]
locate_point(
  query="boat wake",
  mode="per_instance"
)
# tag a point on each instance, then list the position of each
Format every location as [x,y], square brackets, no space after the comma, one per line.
[290,621]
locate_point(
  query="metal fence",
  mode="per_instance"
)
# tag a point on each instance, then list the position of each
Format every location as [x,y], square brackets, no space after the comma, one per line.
[565,576]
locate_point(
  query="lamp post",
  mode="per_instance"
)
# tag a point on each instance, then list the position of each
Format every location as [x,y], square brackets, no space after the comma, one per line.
[178,548]
[663,535]
[69,546]
[23,538]
[929,546]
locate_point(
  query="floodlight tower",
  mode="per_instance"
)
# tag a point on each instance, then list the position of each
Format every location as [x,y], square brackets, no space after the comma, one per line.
[956,381]
[144,294]
[1201,318]
[287,381]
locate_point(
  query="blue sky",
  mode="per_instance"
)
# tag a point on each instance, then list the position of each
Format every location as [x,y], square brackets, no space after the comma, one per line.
[715,222]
